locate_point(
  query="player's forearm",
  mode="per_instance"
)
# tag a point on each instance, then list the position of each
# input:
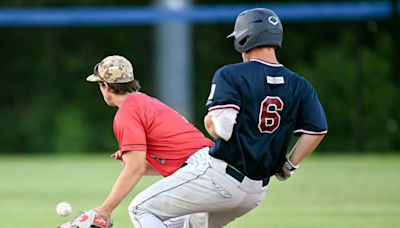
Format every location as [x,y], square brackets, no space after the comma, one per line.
[209,126]
[124,184]
[305,145]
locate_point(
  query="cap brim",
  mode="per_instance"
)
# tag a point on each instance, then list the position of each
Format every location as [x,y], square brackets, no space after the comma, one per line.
[93,78]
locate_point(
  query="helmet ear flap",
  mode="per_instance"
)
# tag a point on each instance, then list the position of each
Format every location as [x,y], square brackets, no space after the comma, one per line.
[241,43]
[244,40]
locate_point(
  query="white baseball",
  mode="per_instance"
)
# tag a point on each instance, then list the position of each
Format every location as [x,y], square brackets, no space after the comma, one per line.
[63,209]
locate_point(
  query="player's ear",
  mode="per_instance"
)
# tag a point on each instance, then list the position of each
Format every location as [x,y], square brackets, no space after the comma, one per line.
[104,85]
[107,87]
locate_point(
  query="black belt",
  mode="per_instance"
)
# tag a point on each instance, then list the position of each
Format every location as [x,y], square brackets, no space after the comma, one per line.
[239,176]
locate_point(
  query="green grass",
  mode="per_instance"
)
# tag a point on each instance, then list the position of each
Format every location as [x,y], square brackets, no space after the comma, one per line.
[327,191]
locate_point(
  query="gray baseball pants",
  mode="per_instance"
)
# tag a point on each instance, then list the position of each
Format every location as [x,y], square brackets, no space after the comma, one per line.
[201,190]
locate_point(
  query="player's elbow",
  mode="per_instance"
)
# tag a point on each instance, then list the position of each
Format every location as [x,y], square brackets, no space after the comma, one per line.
[222,122]
[135,169]
[135,162]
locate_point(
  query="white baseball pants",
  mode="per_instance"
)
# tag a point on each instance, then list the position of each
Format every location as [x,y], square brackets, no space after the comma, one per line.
[202,190]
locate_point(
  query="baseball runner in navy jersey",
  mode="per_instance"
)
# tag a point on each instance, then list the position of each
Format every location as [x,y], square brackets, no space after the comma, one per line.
[254,108]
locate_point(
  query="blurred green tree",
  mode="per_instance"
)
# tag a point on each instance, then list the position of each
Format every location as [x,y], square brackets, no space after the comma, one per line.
[46,105]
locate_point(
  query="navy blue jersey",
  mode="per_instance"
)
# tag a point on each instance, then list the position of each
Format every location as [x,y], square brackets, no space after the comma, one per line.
[273,103]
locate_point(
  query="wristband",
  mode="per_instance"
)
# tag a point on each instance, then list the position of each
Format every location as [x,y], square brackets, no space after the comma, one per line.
[290,166]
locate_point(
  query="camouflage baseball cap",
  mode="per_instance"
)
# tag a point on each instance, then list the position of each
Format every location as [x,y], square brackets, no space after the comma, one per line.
[112,69]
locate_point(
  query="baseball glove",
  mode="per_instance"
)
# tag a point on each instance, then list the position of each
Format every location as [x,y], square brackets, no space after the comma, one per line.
[88,219]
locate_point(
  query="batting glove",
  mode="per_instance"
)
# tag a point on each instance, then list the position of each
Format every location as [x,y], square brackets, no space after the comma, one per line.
[287,170]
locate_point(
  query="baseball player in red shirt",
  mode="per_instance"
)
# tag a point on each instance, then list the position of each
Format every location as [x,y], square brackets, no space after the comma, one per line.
[152,137]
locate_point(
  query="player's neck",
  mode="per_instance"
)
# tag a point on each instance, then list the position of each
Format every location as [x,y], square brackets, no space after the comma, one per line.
[263,54]
[119,99]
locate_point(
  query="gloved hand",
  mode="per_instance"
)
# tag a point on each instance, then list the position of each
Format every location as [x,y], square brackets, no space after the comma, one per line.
[286,171]
[89,219]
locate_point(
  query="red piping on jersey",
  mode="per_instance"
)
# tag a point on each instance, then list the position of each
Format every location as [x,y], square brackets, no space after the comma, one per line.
[237,108]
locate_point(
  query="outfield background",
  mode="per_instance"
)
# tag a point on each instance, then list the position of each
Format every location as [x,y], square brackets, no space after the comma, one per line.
[56,132]
[327,191]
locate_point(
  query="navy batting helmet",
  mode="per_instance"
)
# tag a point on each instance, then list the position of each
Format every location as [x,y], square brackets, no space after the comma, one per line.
[257,27]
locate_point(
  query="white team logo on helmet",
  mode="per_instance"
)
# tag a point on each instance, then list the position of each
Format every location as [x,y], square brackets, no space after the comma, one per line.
[273,20]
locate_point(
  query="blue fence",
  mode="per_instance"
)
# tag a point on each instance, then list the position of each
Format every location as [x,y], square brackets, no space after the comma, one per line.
[93,16]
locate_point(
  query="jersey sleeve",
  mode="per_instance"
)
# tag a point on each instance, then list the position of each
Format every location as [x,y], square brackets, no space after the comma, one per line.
[224,93]
[130,132]
[311,117]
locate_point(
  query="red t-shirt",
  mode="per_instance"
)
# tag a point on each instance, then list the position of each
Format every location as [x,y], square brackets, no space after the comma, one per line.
[144,123]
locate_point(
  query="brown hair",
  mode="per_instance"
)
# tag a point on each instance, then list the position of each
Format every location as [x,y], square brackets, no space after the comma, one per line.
[122,88]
